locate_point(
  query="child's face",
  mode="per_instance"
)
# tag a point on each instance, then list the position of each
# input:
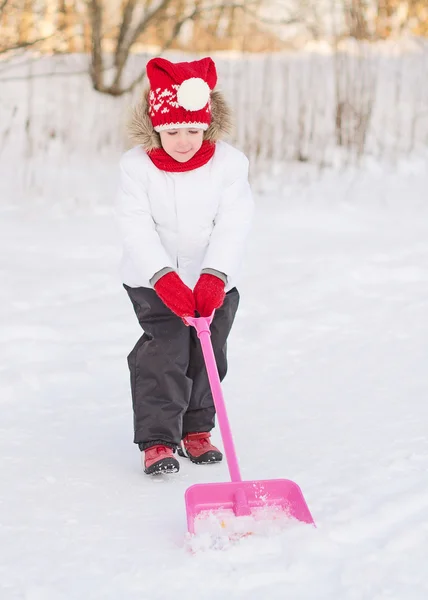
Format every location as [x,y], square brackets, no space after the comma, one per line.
[182,144]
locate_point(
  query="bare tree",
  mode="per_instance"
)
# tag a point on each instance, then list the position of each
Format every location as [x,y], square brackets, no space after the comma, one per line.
[165,14]
[355,12]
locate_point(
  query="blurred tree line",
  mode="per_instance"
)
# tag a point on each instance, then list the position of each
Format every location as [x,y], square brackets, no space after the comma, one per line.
[110,30]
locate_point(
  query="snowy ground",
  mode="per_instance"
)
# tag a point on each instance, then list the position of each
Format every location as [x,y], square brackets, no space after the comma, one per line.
[327,386]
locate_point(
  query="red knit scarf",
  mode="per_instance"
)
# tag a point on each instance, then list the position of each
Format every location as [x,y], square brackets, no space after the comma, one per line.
[165,162]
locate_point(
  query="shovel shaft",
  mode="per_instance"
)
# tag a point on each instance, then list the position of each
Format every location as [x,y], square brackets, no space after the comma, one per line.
[220,407]
[202,327]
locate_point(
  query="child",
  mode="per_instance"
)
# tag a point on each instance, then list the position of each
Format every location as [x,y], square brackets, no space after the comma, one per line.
[184,209]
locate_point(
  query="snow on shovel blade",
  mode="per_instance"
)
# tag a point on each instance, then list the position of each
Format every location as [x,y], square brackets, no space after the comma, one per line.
[241,497]
[244,496]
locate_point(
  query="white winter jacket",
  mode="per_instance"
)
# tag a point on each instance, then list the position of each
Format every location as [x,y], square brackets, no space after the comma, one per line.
[186,221]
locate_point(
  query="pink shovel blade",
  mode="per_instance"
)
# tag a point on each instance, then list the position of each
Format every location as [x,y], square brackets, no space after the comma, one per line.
[243,496]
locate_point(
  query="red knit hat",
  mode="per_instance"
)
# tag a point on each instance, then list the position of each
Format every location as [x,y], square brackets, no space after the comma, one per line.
[180,93]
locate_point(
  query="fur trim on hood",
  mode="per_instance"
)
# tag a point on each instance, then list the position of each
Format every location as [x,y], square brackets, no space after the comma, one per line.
[142,133]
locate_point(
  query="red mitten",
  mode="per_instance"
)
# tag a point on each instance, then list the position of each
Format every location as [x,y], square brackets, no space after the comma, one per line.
[209,294]
[176,295]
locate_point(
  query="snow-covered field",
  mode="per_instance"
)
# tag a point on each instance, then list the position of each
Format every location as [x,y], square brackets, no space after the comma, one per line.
[328,386]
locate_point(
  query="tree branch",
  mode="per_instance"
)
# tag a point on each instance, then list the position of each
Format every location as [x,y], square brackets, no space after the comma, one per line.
[175,32]
[3,5]
[123,51]
[144,23]
[96,15]
[23,45]
[124,28]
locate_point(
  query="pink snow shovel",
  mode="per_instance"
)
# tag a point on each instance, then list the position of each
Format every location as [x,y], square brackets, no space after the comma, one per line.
[237,497]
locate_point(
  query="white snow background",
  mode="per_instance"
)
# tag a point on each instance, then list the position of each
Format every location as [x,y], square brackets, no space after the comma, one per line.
[327,386]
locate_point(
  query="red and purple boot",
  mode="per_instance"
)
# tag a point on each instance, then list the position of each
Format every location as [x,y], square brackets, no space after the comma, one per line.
[198,448]
[160,459]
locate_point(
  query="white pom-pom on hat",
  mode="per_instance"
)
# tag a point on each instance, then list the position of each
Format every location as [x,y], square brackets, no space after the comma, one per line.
[193,94]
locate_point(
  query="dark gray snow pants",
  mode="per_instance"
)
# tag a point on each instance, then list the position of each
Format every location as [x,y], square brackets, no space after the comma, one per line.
[169,384]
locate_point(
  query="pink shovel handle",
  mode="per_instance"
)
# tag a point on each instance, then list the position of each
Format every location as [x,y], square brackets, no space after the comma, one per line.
[202,326]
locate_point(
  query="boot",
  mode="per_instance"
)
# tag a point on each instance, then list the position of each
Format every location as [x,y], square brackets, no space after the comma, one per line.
[159,459]
[198,448]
